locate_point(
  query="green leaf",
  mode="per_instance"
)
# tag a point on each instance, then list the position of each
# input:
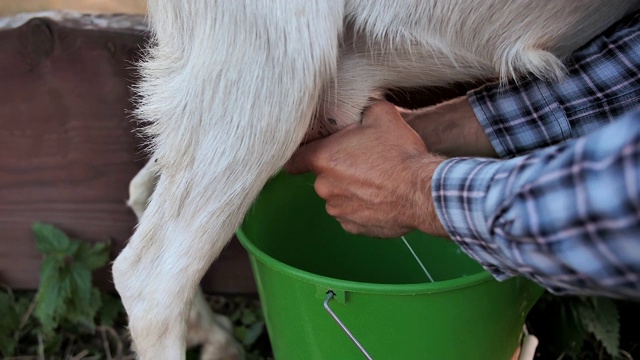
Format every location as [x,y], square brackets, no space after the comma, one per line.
[249,316]
[95,303]
[66,301]
[84,300]
[84,317]
[7,344]
[52,296]
[48,296]
[253,333]
[50,240]
[22,303]
[93,257]
[600,317]
[571,333]
[8,312]
[110,309]
[240,332]
[80,277]
[53,343]
[8,325]
[50,271]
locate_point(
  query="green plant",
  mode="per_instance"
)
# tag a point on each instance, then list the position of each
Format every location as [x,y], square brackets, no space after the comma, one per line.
[68,318]
[589,315]
[66,305]
[12,312]
[583,328]
[248,322]
[249,326]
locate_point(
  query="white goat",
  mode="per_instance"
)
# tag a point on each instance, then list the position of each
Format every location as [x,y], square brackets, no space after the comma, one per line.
[231,87]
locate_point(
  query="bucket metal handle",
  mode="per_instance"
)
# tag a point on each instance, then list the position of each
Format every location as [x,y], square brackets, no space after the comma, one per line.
[330,295]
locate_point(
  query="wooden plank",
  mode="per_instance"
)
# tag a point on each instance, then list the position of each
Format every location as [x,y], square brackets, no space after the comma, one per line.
[67,146]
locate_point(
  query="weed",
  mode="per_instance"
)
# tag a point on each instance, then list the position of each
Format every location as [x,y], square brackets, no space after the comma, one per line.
[66,308]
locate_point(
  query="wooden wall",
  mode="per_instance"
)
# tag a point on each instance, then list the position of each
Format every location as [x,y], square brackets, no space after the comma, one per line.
[67,146]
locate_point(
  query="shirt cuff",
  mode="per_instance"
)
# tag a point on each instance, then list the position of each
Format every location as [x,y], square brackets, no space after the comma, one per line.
[462,205]
[519,118]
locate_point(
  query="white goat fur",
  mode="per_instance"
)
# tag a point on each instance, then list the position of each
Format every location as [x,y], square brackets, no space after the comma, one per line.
[230,88]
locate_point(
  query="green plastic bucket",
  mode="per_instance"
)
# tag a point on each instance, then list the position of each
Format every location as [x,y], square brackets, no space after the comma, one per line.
[298,253]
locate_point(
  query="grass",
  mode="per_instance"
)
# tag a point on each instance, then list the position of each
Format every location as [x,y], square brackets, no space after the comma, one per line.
[112,342]
[68,318]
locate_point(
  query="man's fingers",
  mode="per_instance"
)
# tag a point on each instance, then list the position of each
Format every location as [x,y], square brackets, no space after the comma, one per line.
[310,156]
[370,230]
[305,159]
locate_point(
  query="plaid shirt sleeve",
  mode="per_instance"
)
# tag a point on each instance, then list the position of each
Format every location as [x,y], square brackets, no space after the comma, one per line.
[567,217]
[602,83]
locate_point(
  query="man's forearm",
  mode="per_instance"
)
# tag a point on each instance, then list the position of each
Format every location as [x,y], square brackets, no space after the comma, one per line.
[451,129]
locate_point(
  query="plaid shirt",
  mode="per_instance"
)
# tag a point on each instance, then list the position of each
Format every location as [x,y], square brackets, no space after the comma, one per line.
[567,216]
[602,83]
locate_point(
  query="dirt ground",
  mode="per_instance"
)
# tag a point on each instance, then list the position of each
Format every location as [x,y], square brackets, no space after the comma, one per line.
[10,7]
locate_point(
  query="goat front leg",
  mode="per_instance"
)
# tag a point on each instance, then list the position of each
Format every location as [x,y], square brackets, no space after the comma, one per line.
[212,331]
[223,122]
[141,187]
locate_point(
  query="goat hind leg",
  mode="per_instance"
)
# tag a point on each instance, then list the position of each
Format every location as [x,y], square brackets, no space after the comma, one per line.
[216,152]
[190,217]
[212,331]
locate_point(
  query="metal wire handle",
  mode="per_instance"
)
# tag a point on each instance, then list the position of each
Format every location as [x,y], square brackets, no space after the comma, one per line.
[415,256]
[330,295]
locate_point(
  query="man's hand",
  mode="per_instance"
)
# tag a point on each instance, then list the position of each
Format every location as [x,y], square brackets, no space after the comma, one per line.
[374,176]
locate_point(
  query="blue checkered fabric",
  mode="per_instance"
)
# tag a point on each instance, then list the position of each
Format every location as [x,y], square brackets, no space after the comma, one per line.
[566,216]
[602,83]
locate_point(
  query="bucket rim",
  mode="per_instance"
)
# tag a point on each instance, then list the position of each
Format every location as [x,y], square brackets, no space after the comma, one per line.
[360,287]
